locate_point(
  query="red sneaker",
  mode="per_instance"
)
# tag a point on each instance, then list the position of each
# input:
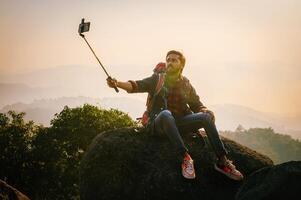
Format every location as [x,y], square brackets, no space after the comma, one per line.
[229,170]
[187,167]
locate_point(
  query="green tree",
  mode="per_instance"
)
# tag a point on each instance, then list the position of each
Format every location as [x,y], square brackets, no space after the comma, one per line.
[15,149]
[43,162]
[60,147]
[280,148]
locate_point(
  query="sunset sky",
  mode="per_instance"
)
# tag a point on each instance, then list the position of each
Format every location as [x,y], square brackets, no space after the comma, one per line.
[238,51]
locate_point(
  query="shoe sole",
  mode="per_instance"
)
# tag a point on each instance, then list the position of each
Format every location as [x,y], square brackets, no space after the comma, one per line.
[228,175]
[188,176]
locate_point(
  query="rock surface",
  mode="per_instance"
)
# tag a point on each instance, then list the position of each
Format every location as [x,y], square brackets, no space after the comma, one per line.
[131,164]
[282,181]
[8,192]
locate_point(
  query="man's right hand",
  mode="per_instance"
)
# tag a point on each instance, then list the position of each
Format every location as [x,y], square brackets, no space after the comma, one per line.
[112,82]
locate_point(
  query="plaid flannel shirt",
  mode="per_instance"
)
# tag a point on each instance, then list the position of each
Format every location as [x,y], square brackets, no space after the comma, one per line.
[182,98]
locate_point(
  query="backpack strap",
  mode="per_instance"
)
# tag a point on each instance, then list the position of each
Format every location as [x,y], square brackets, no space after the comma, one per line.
[160,83]
[160,70]
[159,86]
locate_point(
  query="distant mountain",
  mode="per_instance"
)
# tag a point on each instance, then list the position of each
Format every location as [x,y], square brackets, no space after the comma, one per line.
[279,147]
[228,116]
[73,80]
[42,111]
[70,80]
[17,92]
[57,76]
[232,115]
[133,107]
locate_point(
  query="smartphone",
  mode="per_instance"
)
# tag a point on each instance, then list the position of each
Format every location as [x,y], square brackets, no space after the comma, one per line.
[83,27]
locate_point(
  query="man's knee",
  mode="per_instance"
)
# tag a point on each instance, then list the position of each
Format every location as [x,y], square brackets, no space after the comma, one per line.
[165,115]
[164,120]
[209,118]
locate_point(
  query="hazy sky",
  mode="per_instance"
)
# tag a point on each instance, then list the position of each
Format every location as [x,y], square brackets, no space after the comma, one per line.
[242,52]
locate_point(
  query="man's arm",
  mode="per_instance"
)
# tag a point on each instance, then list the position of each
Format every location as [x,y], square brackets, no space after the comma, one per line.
[194,101]
[195,104]
[144,85]
[127,86]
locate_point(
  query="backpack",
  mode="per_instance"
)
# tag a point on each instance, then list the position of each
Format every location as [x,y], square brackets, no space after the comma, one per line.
[160,70]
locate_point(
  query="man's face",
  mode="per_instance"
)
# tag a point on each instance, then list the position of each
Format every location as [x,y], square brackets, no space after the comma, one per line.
[173,64]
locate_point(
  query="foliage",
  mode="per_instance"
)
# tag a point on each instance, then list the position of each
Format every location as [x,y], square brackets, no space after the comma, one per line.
[44,161]
[280,148]
[16,137]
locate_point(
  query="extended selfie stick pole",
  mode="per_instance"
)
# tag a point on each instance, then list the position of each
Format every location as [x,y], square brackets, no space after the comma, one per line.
[84,27]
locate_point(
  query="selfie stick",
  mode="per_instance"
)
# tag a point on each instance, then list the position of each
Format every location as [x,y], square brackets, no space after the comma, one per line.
[84,27]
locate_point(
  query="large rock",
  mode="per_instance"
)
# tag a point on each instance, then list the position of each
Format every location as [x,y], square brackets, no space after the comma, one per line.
[282,181]
[8,192]
[131,164]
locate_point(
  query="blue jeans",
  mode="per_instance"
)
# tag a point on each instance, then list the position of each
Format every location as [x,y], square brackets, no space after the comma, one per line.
[165,123]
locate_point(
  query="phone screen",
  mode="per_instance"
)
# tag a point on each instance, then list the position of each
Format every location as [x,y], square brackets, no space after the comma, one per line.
[84,27]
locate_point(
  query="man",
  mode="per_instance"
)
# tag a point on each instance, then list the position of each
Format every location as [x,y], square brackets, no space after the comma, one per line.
[177,108]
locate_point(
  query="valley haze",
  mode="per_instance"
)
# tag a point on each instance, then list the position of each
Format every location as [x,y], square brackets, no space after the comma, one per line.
[43,93]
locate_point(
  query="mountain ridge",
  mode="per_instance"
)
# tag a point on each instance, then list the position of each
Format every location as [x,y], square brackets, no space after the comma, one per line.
[228,116]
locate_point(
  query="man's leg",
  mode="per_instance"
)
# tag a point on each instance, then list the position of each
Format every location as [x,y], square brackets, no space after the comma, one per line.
[204,120]
[196,121]
[165,123]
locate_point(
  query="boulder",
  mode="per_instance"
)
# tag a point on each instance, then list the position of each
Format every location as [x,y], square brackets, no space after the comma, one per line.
[8,192]
[281,181]
[132,164]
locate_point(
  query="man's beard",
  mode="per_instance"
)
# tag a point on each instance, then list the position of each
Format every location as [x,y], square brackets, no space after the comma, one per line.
[172,75]
[173,72]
